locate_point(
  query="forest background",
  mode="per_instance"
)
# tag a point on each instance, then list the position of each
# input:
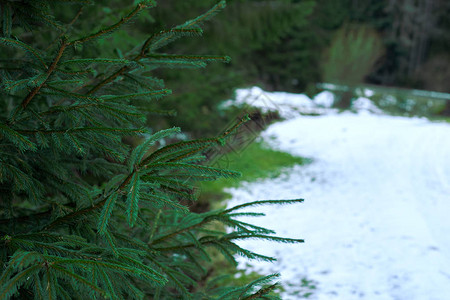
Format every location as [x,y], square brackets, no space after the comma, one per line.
[290,45]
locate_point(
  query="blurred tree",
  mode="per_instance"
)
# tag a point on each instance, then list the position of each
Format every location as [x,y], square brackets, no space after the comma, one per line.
[251,32]
[350,57]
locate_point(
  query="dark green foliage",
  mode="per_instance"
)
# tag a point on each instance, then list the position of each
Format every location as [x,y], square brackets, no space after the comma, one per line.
[253,33]
[82,214]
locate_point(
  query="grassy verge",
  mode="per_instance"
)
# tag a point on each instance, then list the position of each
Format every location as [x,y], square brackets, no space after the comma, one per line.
[256,161]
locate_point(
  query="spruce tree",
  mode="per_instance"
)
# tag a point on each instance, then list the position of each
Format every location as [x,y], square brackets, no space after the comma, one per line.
[83,215]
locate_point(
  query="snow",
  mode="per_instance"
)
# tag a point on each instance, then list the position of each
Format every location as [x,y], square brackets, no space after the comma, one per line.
[376,214]
[324,99]
[365,104]
[288,105]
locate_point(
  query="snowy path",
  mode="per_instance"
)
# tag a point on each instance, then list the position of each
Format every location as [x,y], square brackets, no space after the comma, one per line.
[376,217]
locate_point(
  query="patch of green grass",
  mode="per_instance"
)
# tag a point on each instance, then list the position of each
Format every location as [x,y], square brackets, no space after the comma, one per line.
[440,119]
[257,161]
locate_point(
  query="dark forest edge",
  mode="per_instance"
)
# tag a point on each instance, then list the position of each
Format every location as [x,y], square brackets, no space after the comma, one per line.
[290,45]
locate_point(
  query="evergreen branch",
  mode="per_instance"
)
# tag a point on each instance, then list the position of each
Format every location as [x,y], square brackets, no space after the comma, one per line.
[139,152]
[134,242]
[86,210]
[38,290]
[50,21]
[233,129]
[7,19]
[103,130]
[147,83]
[18,44]
[76,1]
[243,226]
[111,242]
[64,93]
[36,90]
[188,27]
[13,86]
[75,143]
[180,231]
[185,28]
[261,292]
[76,72]
[168,271]
[212,240]
[50,248]
[69,24]
[246,236]
[107,80]
[206,16]
[50,70]
[106,213]
[8,289]
[259,281]
[131,261]
[69,239]
[174,63]
[107,282]
[262,202]
[113,27]
[155,224]
[51,289]
[206,58]
[178,192]
[162,153]
[21,141]
[78,278]
[228,292]
[152,94]
[123,112]
[199,169]
[166,201]
[64,82]
[188,154]
[133,199]
[86,61]
[155,277]
[164,37]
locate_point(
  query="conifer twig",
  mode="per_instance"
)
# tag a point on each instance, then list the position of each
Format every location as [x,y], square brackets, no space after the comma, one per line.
[142,54]
[165,237]
[88,209]
[67,29]
[50,70]
[261,292]
[113,27]
[107,80]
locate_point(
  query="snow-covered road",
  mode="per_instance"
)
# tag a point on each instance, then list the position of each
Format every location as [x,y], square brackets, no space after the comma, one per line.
[376,216]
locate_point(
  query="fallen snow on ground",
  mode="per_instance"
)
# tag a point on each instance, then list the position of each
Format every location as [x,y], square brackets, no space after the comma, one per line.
[286,104]
[376,216]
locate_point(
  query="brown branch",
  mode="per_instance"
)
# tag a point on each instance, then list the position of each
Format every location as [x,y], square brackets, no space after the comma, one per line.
[68,27]
[163,238]
[111,28]
[50,70]
[107,80]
